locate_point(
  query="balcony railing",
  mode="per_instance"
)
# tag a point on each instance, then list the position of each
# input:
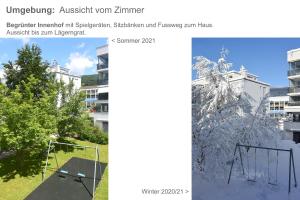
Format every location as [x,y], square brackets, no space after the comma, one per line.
[294,89]
[102,66]
[102,108]
[293,72]
[89,80]
[94,80]
[103,96]
[295,103]
[103,82]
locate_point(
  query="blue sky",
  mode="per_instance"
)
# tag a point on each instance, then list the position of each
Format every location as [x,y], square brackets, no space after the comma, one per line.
[265,57]
[77,54]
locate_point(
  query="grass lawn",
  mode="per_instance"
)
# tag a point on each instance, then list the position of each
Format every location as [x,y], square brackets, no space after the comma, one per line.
[16,183]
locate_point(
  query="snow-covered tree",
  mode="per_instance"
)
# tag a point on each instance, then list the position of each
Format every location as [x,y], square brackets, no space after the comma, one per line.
[222,117]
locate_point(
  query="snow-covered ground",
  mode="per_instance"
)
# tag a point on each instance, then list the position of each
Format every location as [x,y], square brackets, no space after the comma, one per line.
[240,188]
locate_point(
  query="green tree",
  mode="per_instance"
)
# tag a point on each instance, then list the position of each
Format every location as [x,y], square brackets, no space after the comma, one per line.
[26,122]
[28,63]
[3,127]
[73,120]
[70,113]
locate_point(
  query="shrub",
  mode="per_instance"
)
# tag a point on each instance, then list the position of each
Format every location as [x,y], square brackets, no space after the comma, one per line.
[96,136]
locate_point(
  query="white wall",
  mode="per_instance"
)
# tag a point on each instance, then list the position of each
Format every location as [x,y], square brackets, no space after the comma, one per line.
[253,89]
[103,89]
[66,79]
[237,85]
[256,91]
[279,98]
[99,116]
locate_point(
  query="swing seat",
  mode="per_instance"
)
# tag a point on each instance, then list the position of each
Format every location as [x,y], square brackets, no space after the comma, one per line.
[272,183]
[80,175]
[63,171]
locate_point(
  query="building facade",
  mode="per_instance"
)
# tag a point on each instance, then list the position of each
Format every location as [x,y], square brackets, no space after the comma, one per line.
[278,101]
[244,82]
[97,91]
[293,108]
[64,75]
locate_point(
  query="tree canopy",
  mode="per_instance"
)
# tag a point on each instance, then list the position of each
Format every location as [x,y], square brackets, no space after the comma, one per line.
[29,63]
[222,117]
[33,105]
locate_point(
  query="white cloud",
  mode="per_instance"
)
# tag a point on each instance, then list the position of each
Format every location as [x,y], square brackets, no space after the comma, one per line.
[25,40]
[81,45]
[78,63]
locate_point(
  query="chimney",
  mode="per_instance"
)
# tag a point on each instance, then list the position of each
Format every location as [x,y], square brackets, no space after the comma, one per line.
[243,71]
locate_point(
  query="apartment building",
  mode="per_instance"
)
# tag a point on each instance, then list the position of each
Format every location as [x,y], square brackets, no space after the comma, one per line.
[96,89]
[243,81]
[278,100]
[293,108]
[63,74]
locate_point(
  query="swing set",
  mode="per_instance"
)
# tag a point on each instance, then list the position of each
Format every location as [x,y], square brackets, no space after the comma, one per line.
[253,179]
[65,172]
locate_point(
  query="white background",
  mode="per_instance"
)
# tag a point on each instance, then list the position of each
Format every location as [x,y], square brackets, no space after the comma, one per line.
[150,109]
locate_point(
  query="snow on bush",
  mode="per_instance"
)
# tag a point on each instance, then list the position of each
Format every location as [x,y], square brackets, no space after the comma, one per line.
[221,117]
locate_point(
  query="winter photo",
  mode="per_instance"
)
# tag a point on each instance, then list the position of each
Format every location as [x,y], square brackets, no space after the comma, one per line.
[245,118]
[54,118]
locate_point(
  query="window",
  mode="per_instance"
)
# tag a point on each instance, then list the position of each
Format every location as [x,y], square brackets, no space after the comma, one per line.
[88,95]
[91,94]
[105,107]
[103,96]
[102,107]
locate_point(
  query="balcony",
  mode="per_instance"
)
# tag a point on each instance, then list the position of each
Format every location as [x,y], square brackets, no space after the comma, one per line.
[294,89]
[102,66]
[99,116]
[93,80]
[102,50]
[292,126]
[103,82]
[293,72]
[292,107]
[103,96]
[101,107]
[296,103]
[89,80]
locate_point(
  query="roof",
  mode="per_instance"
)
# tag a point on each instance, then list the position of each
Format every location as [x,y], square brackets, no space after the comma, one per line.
[293,50]
[239,73]
[249,79]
